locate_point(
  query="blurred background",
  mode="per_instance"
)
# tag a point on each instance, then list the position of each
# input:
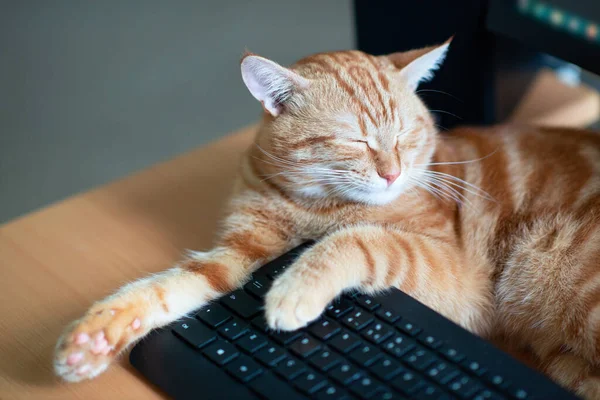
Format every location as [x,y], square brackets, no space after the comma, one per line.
[91,91]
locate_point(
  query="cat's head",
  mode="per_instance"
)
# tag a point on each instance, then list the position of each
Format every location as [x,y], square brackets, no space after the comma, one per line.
[345,124]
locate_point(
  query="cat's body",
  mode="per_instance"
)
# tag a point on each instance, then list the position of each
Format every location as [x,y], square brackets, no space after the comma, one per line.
[495,228]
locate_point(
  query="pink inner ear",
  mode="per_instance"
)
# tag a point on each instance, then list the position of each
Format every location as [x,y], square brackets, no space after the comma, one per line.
[262,103]
[422,67]
[269,83]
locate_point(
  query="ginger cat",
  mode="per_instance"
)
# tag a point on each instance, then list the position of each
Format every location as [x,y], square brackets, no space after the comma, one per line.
[495,228]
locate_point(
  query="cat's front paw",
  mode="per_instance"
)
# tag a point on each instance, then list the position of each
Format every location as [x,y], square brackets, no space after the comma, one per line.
[295,300]
[88,345]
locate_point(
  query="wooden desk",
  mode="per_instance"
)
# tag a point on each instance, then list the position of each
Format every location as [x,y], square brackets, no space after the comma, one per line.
[55,262]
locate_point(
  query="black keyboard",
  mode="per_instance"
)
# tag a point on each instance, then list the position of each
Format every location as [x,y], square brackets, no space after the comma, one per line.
[363,347]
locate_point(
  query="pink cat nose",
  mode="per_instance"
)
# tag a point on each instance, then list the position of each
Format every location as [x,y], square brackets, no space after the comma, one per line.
[390,177]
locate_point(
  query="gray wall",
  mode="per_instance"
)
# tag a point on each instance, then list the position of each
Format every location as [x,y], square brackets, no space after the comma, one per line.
[93,90]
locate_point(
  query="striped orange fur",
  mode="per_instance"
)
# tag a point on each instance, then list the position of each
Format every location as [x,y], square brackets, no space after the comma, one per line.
[496,228]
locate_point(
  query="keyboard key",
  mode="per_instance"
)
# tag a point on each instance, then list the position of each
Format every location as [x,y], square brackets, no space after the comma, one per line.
[339,307]
[408,327]
[520,394]
[289,368]
[364,388]
[365,355]
[194,333]
[353,294]
[309,382]
[244,368]
[271,388]
[304,346]
[464,386]
[345,342]
[344,373]
[252,342]
[276,271]
[487,394]
[368,302]
[242,304]
[283,337]
[419,358]
[213,315]
[233,329]
[451,353]
[260,324]
[387,315]
[270,355]
[442,372]
[325,328]
[408,383]
[386,368]
[221,352]
[428,391]
[286,259]
[357,319]
[474,367]
[325,359]
[378,332]
[331,392]
[429,340]
[258,287]
[496,380]
[398,345]
[387,394]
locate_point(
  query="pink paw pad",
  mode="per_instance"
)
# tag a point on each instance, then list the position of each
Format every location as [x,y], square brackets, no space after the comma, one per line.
[100,343]
[74,358]
[82,338]
[136,324]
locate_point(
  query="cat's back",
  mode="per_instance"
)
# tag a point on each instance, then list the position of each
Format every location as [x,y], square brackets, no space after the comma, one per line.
[539,184]
[523,168]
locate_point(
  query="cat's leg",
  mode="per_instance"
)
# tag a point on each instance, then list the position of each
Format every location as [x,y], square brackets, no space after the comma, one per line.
[374,258]
[89,344]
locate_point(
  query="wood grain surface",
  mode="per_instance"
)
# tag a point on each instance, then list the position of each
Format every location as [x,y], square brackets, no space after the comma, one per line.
[54,263]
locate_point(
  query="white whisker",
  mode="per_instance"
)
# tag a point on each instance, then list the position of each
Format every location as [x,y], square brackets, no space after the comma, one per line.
[455,181]
[456,194]
[437,91]
[446,112]
[448,182]
[457,162]
[430,189]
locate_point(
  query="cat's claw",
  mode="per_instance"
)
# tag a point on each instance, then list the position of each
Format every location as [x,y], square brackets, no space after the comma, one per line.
[292,304]
[89,345]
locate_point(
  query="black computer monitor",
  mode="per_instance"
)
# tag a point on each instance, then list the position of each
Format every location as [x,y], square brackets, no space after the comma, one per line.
[567,29]
[495,52]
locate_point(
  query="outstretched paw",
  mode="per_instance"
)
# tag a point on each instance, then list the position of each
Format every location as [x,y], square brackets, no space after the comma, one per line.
[294,301]
[90,344]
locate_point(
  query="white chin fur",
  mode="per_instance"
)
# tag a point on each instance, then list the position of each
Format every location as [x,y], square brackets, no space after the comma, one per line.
[313,191]
[380,195]
[375,198]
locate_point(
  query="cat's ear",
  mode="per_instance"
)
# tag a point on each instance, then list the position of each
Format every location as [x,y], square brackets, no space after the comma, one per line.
[417,66]
[270,83]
